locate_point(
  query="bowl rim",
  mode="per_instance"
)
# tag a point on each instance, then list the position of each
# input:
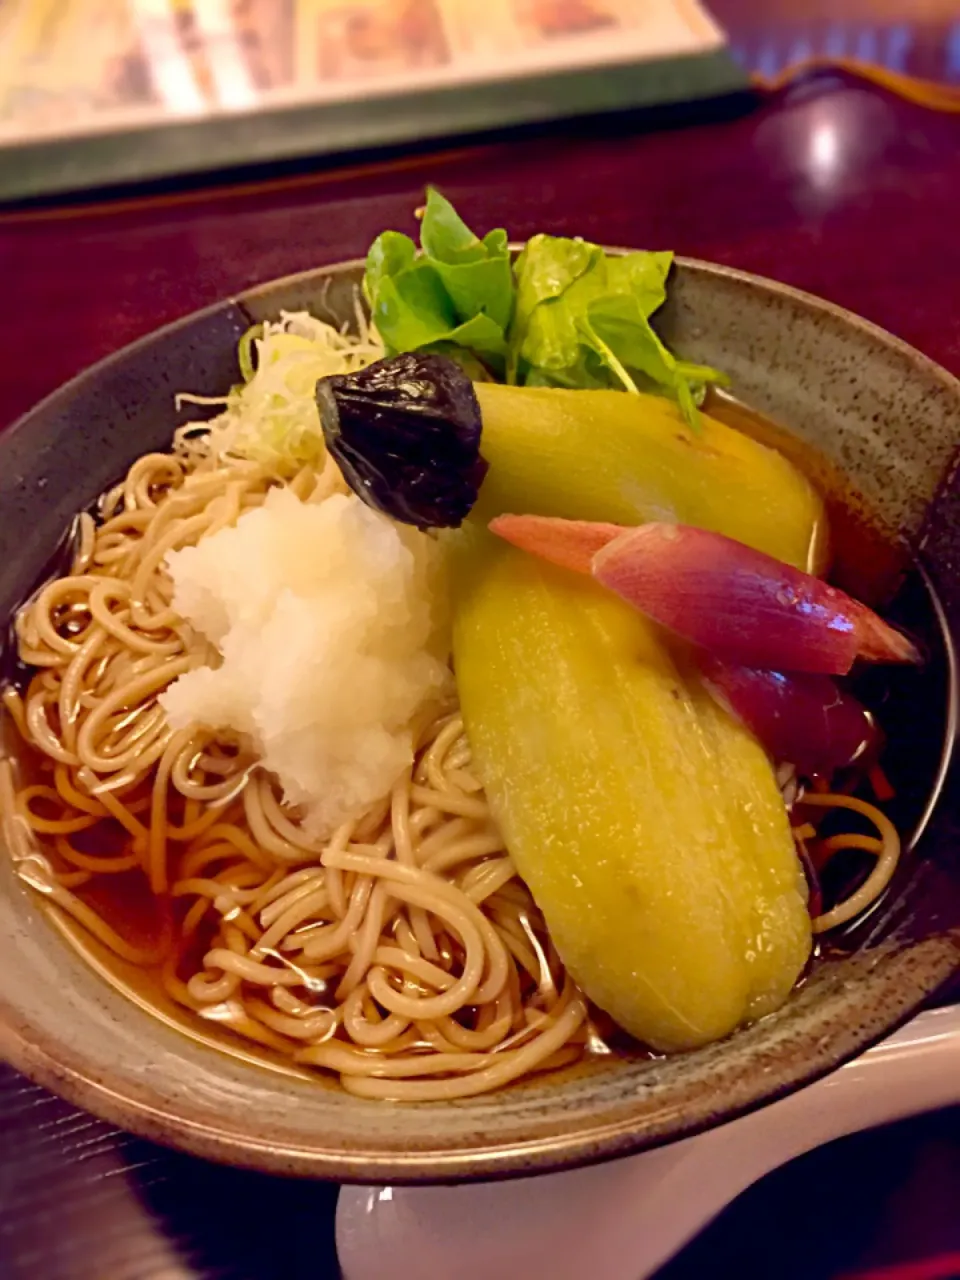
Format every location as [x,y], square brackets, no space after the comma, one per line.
[623,1133]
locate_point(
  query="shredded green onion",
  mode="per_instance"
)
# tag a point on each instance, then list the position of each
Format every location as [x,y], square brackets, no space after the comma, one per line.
[271,417]
[245,351]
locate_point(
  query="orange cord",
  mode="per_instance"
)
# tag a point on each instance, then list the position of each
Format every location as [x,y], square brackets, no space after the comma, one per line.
[922,93]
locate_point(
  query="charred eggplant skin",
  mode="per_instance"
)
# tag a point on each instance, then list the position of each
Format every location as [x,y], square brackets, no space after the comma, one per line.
[405,432]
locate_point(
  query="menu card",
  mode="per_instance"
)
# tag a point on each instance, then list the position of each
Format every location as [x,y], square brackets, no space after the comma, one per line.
[107,91]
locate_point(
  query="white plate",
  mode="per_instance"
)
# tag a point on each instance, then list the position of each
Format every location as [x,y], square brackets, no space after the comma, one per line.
[623,1220]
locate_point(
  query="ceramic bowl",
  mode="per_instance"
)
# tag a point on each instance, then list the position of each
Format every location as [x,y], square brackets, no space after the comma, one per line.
[881,411]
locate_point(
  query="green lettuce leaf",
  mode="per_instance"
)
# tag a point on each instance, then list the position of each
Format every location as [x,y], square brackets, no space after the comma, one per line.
[565,314]
[583,320]
[457,294]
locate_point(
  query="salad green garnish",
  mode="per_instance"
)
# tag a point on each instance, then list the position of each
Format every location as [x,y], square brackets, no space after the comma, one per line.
[565,314]
[457,294]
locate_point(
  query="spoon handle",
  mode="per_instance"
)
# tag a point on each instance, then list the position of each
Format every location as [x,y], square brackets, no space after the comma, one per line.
[622,1220]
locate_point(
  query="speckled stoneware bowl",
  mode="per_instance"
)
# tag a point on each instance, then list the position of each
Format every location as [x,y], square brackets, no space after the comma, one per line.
[887,415]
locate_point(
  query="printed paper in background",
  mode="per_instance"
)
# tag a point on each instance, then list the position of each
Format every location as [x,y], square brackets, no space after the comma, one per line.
[65,66]
[72,67]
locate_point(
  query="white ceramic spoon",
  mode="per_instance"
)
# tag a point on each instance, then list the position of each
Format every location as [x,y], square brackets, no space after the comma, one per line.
[620,1221]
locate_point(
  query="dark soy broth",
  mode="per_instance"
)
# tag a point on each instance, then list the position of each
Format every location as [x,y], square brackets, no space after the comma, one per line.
[865,558]
[125,901]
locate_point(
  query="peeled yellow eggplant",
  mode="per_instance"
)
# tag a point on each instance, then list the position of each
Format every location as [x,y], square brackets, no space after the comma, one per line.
[604,455]
[645,820]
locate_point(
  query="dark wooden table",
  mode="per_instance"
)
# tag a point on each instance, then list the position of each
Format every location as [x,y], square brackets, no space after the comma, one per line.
[833,185]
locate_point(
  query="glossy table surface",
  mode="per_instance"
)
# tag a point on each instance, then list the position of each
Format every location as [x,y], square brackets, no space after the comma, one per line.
[833,185]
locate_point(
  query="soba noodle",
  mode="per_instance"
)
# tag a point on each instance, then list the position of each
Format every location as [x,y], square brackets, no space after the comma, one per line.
[403,954]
